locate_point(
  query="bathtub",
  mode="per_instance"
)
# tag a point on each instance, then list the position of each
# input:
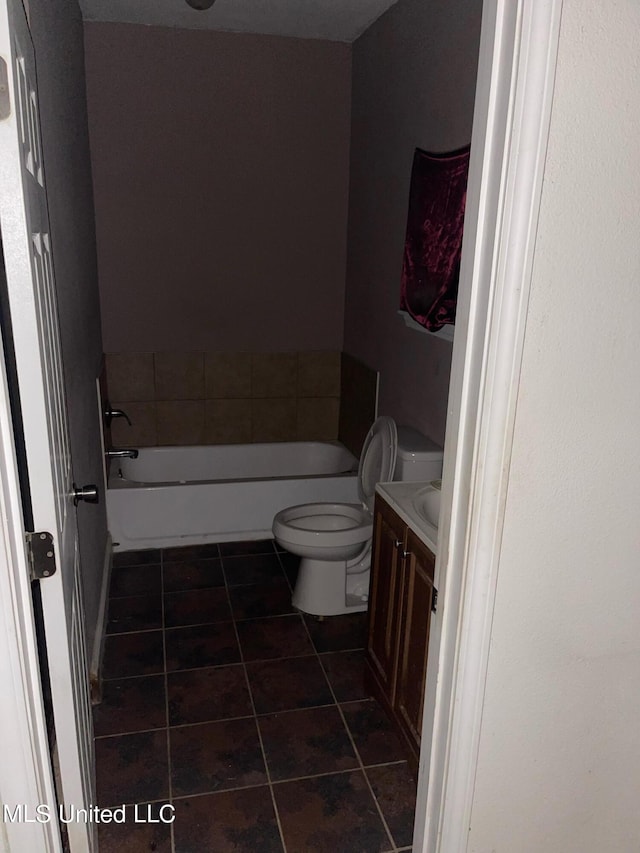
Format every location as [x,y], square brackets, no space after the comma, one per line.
[173,496]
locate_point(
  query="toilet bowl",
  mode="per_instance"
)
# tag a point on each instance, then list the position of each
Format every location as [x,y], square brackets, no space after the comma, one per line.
[334,539]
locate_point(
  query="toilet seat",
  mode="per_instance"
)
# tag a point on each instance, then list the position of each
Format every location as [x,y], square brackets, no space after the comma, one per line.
[378,459]
[336,525]
[311,524]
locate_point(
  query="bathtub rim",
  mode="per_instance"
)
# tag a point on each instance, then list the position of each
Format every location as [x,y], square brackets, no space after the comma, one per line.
[118,481]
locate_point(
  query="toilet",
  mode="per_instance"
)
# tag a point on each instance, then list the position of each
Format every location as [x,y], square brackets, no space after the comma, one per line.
[334,539]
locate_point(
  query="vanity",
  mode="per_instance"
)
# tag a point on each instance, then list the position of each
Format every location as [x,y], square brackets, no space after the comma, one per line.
[402,600]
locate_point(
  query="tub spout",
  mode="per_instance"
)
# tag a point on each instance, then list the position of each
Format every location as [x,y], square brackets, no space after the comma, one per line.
[122,453]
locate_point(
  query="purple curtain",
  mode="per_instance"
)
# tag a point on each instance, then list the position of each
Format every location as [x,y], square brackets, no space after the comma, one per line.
[431,264]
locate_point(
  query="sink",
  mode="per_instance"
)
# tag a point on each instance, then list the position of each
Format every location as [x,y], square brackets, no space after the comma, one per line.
[427,504]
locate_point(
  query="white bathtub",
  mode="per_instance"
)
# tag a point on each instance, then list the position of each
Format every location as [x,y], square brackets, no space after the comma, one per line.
[172,496]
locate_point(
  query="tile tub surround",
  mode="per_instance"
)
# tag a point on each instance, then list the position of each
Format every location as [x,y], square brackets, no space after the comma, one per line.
[224,397]
[252,721]
[358,402]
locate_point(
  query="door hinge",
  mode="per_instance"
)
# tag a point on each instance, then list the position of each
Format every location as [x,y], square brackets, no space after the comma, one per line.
[434,600]
[5,102]
[42,558]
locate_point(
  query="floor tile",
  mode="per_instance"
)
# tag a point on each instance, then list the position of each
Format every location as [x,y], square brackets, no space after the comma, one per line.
[330,813]
[190,552]
[134,613]
[132,768]
[136,580]
[262,568]
[133,654]
[257,600]
[216,756]
[131,705]
[235,549]
[395,790]
[230,822]
[338,633]
[283,685]
[192,574]
[132,837]
[218,773]
[274,637]
[345,671]
[202,645]
[305,743]
[196,607]
[290,563]
[203,695]
[135,558]
[373,734]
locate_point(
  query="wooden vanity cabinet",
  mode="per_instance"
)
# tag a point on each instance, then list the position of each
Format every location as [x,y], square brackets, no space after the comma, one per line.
[401,599]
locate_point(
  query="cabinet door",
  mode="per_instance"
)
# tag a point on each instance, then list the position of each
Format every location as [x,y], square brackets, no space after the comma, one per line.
[415,623]
[384,603]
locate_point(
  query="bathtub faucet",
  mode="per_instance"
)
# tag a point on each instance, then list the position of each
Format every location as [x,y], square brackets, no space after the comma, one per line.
[109,413]
[122,453]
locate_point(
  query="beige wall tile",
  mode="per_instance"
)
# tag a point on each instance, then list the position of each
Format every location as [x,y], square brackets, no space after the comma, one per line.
[318,418]
[274,374]
[180,421]
[273,420]
[130,376]
[142,432]
[227,374]
[318,374]
[179,375]
[228,421]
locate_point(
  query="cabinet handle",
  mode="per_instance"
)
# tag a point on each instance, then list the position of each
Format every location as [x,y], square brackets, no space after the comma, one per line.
[399,546]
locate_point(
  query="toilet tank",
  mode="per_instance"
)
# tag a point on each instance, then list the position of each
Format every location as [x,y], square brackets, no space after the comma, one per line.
[419,458]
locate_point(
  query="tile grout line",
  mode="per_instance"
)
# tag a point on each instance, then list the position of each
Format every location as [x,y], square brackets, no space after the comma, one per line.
[274,783]
[342,717]
[255,719]
[353,744]
[166,689]
[219,665]
[284,571]
[166,703]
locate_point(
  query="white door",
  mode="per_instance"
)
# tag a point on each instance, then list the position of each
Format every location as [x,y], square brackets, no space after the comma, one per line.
[32,298]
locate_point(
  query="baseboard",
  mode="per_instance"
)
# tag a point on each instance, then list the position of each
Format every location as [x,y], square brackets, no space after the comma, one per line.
[95,668]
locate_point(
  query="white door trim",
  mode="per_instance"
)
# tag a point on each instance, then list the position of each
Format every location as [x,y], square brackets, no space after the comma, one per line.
[518,51]
[26,776]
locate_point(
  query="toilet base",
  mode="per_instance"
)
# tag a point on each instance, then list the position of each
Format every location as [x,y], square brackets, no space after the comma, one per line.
[320,588]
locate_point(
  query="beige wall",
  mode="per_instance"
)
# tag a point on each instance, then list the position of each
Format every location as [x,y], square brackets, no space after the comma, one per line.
[220,165]
[559,762]
[414,75]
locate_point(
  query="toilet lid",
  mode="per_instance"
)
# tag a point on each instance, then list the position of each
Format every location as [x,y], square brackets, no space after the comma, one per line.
[378,459]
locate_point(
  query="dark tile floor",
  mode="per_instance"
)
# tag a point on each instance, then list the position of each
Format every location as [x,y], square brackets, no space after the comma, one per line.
[250,720]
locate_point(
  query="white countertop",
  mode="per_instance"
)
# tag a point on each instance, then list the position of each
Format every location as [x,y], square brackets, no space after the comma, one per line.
[399,496]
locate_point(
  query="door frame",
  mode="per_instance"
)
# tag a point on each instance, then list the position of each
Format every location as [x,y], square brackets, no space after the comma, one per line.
[26,776]
[512,113]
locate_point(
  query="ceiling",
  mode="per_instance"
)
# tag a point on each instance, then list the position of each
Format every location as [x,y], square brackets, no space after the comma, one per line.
[334,20]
